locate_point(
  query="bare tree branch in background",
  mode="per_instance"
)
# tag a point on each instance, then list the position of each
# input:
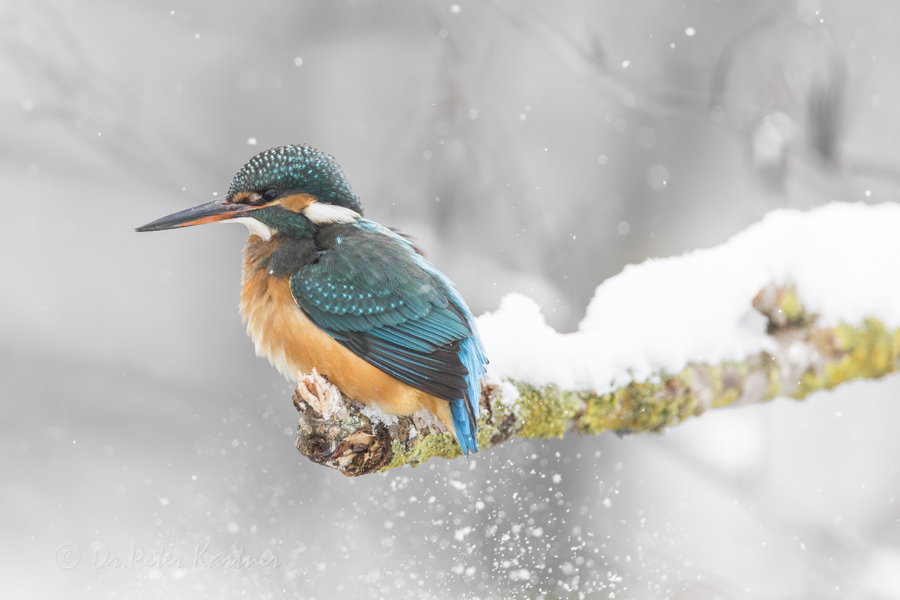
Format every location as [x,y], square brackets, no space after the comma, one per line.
[338,432]
[780,85]
[69,90]
[469,163]
[589,60]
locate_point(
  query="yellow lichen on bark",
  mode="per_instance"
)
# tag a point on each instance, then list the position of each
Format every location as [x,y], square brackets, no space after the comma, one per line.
[827,357]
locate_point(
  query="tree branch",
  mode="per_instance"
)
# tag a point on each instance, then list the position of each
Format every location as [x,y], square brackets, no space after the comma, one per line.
[340,433]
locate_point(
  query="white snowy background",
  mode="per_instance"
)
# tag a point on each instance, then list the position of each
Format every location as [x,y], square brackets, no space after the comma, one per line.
[529,147]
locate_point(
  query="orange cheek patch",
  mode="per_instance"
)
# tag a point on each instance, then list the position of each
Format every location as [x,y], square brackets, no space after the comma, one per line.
[241,198]
[296,202]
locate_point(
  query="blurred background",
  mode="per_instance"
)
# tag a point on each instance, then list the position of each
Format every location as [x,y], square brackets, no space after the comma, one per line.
[145,452]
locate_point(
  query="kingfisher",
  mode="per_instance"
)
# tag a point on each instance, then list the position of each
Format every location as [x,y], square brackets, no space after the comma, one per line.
[325,288]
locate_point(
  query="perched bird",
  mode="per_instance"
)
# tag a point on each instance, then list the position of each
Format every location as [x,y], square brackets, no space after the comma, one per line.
[324,287]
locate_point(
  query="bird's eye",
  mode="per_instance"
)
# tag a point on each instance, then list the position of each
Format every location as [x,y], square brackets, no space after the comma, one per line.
[269,194]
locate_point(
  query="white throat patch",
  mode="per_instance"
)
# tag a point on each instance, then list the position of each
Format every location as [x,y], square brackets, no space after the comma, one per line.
[255,227]
[325,214]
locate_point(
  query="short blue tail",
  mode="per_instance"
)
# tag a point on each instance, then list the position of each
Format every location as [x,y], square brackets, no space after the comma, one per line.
[466,411]
[464,426]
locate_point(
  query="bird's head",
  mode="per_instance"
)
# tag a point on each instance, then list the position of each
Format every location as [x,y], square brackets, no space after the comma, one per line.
[289,190]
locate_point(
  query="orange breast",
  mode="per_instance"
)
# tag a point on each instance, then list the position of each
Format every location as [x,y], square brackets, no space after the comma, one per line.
[294,344]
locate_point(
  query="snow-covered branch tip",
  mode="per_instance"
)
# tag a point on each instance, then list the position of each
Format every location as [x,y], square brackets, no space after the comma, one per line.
[340,433]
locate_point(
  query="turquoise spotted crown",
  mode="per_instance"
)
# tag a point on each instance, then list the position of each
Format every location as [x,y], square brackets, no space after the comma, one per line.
[296,169]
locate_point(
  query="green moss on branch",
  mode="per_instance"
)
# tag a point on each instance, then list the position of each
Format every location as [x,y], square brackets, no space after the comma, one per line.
[808,359]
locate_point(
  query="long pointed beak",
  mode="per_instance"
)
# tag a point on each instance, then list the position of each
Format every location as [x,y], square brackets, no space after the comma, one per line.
[217,210]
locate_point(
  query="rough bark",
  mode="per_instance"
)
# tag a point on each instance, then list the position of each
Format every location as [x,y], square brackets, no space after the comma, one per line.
[340,433]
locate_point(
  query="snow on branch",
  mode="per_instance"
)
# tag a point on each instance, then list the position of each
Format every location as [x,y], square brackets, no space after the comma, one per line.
[799,302]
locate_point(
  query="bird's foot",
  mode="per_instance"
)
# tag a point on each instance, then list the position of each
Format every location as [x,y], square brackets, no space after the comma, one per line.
[323,396]
[334,432]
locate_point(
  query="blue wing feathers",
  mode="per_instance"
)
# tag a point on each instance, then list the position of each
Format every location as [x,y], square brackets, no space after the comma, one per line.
[435,360]
[384,302]
[404,340]
[437,383]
